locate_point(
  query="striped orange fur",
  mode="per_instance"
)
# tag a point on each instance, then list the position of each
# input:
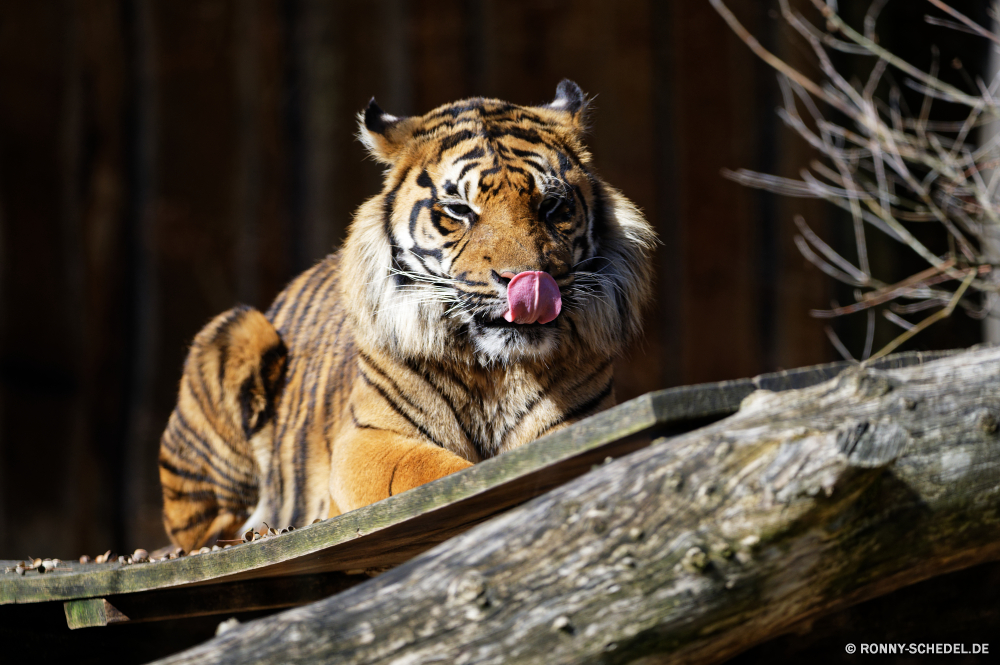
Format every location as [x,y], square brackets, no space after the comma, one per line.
[391,363]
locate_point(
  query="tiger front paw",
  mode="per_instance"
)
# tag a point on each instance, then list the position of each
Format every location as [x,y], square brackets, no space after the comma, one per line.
[422,465]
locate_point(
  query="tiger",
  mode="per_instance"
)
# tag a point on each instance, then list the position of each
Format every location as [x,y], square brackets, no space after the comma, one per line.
[477,303]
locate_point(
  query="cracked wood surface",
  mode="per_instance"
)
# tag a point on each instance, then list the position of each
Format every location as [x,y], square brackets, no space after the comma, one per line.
[697,547]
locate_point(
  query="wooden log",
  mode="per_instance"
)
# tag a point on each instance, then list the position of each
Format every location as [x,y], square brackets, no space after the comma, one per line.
[697,547]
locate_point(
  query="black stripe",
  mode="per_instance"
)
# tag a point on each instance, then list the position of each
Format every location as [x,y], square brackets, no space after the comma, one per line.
[203,447]
[398,409]
[454,110]
[582,383]
[424,131]
[361,425]
[291,317]
[172,494]
[290,417]
[591,404]
[328,283]
[449,142]
[278,353]
[196,519]
[459,253]
[465,169]
[299,454]
[347,357]
[423,373]
[200,477]
[221,336]
[358,424]
[475,153]
[526,411]
[385,375]
[475,295]
[209,459]
[299,474]
[276,306]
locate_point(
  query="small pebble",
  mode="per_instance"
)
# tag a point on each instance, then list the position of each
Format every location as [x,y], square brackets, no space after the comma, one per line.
[228,624]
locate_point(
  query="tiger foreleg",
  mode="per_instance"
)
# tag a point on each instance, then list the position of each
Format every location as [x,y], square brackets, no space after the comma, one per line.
[372,464]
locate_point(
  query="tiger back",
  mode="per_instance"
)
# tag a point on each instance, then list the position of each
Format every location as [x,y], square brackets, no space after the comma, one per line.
[477,304]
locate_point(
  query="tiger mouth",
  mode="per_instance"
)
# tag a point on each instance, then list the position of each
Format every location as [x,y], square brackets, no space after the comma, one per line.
[500,323]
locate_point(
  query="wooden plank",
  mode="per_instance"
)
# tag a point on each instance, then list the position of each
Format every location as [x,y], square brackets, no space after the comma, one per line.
[195,601]
[392,531]
[91,612]
[385,533]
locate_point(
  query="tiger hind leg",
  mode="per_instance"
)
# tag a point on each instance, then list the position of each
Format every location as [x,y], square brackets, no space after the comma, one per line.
[212,451]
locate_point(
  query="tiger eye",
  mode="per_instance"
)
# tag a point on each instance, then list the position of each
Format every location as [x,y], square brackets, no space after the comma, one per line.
[458,209]
[549,207]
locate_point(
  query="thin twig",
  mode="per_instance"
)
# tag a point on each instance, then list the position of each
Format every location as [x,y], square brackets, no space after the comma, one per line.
[933,318]
[898,320]
[837,344]
[979,30]
[895,61]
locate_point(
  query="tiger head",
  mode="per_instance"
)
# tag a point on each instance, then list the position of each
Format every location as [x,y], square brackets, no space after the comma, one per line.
[493,239]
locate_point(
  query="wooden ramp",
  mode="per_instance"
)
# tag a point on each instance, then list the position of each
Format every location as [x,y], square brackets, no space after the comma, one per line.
[325,558]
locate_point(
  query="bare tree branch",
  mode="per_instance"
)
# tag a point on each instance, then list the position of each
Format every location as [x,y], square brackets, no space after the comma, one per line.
[889,169]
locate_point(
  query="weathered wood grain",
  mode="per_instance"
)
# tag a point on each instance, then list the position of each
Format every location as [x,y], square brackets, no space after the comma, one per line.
[395,530]
[697,547]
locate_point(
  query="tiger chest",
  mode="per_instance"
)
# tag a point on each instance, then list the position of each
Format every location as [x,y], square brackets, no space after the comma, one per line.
[500,413]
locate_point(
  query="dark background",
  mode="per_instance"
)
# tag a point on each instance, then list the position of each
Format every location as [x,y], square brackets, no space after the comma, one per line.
[162,160]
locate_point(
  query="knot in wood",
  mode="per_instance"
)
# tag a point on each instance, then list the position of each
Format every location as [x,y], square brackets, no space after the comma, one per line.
[469,587]
[562,624]
[866,383]
[872,446]
[987,422]
[695,560]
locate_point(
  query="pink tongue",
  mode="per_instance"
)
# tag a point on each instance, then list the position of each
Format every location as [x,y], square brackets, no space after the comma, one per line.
[533,297]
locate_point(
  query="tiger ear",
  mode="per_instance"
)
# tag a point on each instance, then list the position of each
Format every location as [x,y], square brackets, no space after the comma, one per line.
[382,133]
[570,99]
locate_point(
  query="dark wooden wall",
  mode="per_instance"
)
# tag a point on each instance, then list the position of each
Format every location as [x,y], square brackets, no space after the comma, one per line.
[162,160]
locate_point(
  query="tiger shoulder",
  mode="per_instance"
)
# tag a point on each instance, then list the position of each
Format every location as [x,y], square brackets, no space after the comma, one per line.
[477,304]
